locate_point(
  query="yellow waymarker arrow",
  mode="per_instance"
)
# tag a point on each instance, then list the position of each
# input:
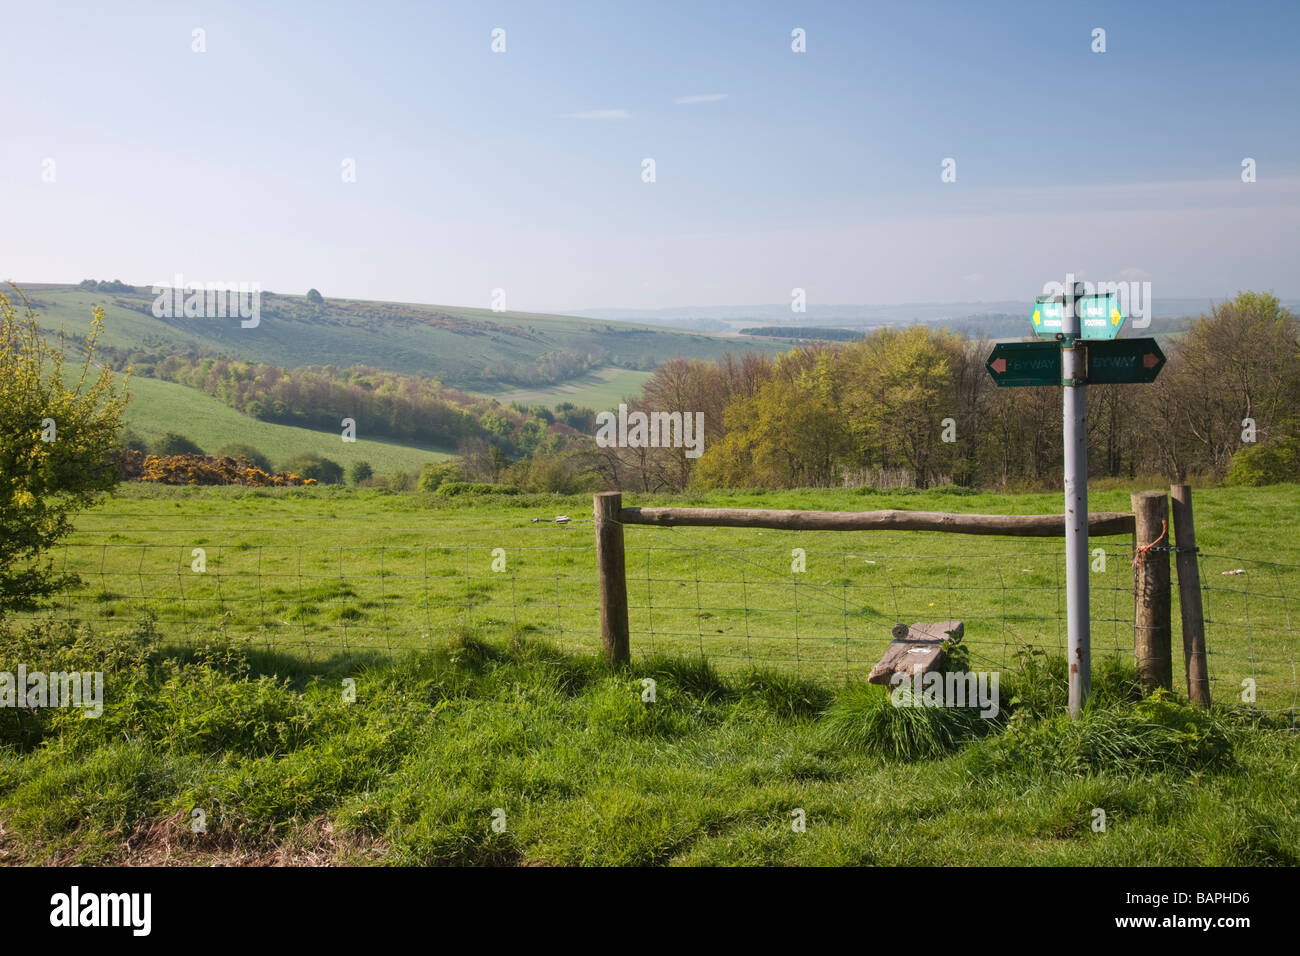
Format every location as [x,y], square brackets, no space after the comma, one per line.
[1035,317]
[1114,316]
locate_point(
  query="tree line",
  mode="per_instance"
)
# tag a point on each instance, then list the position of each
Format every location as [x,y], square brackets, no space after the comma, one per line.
[405,408]
[916,406]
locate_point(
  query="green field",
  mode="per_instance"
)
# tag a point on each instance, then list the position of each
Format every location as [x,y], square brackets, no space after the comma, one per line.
[329,571]
[486,730]
[157,407]
[602,389]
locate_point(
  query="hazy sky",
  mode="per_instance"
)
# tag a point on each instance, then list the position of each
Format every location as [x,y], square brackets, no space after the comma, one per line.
[522,170]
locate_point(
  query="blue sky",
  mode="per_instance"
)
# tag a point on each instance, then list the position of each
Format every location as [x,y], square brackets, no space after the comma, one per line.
[522,170]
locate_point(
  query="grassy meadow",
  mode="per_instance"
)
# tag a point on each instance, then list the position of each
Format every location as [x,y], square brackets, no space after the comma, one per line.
[330,571]
[486,730]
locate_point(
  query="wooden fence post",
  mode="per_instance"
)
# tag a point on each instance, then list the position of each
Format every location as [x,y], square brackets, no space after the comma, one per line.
[1189,597]
[613,578]
[1152,633]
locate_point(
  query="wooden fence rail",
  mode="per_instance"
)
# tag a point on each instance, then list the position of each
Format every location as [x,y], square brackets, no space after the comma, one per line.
[1100,524]
[1145,524]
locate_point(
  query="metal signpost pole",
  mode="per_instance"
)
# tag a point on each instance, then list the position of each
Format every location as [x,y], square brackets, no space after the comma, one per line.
[1074,361]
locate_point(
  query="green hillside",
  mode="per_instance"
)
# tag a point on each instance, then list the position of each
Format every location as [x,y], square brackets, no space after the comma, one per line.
[604,388]
[157,406]
[473,349]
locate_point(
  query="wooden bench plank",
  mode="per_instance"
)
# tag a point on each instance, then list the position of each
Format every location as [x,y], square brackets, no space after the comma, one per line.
[917,649]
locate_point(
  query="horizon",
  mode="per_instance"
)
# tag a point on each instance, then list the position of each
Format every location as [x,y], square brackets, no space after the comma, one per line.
[690,311]
[420,166]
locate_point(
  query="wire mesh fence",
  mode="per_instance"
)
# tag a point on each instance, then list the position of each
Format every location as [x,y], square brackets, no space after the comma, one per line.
[1251,633]
[820,603]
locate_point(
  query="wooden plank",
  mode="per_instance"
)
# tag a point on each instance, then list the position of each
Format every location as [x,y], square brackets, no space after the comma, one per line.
[1100,524]
[917,649]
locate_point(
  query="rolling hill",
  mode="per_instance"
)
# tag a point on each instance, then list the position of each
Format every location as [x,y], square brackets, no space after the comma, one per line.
[472,349]
[157,407]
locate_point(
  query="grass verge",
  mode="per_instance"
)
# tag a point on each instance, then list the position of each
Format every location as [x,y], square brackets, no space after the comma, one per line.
[516,753]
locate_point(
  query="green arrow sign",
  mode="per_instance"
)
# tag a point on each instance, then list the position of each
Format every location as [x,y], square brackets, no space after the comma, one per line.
[1118,362]
[1124,361]
[1015,364]
[1099,315]
[1048,312]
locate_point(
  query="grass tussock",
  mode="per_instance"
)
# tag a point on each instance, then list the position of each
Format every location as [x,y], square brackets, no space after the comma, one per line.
[1159,734]
[865,717]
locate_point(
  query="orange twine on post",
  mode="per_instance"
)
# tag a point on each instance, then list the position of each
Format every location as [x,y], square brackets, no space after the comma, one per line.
[1139,556]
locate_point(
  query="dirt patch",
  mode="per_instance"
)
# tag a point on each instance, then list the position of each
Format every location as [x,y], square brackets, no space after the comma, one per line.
[170,842]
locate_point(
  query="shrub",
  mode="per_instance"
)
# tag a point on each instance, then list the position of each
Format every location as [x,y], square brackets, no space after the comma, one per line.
[455,488]
[554,474]
[174,443]
[311,465]
[1267,464]
[360,471]
[55,448]
[247,452]
[400,481]
[435,473]
[200,470]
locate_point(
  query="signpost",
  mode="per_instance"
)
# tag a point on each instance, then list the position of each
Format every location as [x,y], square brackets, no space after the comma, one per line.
[1099,315]
[1085,351]
[1124,361]
[1116,362]
[1015,364]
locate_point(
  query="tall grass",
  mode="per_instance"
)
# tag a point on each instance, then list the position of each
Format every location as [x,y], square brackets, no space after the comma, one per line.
[580,768]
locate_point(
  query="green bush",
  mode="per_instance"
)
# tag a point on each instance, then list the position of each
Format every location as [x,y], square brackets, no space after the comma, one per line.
[55,448]
[174,443]
[311,465]
[253,456]
[434,474]
[399,481]
[1266,464]
[360,471]
[454,488]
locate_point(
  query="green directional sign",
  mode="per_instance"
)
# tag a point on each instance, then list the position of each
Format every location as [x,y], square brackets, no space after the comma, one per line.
[1099,315]
[1117,362]
[1049,312]
[1124,361]
[1015,364]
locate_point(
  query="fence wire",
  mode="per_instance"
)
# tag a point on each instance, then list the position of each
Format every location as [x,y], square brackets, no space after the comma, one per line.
[318,588]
